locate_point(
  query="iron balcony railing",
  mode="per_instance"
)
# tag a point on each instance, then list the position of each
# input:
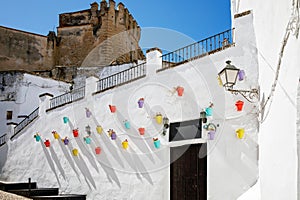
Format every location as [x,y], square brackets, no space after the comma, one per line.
[122,77]
[66,98]
[198,49]
[32,116]
[2,140]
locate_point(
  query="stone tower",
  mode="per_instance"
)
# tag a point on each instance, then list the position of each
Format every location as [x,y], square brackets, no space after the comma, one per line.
[97,37]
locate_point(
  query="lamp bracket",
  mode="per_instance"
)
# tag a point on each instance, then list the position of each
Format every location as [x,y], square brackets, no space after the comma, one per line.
[250,95]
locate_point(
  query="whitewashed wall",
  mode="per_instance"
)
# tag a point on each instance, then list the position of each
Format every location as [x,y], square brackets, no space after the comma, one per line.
[277,136]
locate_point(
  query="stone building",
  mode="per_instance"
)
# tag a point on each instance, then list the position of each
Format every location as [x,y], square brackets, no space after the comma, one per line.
[94,37]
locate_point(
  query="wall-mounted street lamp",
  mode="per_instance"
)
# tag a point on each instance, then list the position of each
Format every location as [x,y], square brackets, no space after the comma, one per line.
[166,125]
[228,76]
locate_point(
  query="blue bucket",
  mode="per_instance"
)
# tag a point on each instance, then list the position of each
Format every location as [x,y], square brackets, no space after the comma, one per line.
[66,120]
[127,125]
[209,111]
[87,140]
[37,138]
[157,144]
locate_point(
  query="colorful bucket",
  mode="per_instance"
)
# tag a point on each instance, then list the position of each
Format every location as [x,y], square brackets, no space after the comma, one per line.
[209,111]
[97,150]
[141,102]
[142,131]
[56,135]
[75,152]
[88,113]
[47,143]
[112,108]
[87,140]
[75,132]
[99,129]
[211,135]
[65,141]
[241,75]
[113,136]
[37,138]
[180,90]
[239,105]
[127,124]
[240,133]
[157,144]
[158,118]
[65,119]
[125,144]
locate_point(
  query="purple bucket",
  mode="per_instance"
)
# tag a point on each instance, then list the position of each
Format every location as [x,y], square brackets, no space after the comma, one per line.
[66,141]
[241,75]
[88,113]
[113,136]
[211,135]
[141,103]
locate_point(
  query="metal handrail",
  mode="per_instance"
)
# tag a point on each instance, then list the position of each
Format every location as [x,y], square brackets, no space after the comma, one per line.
[198,49]
[32,116]
[68,97]
[3,139]
[122,77]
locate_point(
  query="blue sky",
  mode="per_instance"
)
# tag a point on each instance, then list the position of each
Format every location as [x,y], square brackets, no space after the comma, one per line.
[197,19]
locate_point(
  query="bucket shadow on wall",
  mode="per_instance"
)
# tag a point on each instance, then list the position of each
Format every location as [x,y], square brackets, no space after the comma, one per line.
[50,162]
[105,164]
[56,161]
[85,152]
[69,158]
[111,148]
[138,142]
[83,168]
[106,143]
[83,149]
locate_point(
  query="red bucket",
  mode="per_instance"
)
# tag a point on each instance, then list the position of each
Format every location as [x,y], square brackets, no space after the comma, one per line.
[180,91]
[75,132]
[47,143]
[98,150]
[112,108]
[239,105]
[142,131]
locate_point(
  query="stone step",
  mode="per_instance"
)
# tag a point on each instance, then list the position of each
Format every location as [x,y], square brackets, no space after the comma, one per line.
[60,197]
[36,192]
[17,186]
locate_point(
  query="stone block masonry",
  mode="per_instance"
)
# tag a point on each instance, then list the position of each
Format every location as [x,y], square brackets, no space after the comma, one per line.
[94,37]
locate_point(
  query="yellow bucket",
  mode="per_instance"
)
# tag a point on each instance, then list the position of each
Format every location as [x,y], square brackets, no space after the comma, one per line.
[56,135]
[240,133]
[158,119]
[99,129]
[75,152]
[125,144]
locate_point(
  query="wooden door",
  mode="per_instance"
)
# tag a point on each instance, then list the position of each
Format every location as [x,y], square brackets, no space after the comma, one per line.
[188,173]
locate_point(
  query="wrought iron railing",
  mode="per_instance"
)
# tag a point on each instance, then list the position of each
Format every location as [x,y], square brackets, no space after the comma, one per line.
[2,140]
[66,98]
[198,49]
[32,116]
[122,77]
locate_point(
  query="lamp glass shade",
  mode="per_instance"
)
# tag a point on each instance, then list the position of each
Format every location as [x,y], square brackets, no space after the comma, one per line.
[228,76]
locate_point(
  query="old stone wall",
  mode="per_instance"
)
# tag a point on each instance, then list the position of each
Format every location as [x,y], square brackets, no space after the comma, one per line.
[110,31]
[21,50]
[94,37]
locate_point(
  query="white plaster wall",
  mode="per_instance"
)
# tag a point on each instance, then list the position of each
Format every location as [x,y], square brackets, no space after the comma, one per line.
[277,136]
[28,90]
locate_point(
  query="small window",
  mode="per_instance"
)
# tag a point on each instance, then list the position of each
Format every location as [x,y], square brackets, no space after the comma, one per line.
[9,115]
